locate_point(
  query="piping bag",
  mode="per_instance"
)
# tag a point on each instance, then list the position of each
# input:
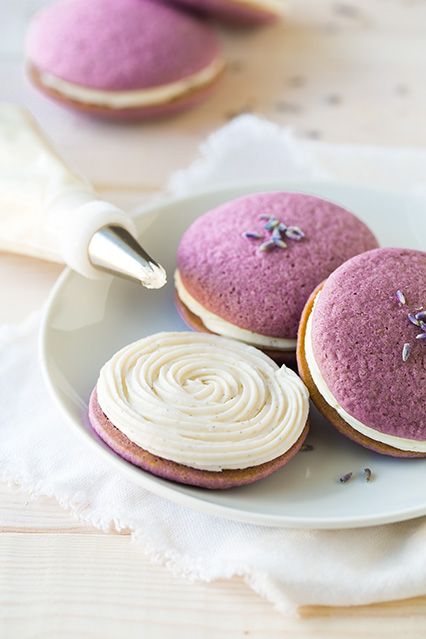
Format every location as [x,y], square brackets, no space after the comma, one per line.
[47,211]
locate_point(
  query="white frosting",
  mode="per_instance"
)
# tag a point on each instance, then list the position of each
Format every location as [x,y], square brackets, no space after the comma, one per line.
[203,401]
[275,6]
[156,279]
[221,327]
[401,443]
[133,98]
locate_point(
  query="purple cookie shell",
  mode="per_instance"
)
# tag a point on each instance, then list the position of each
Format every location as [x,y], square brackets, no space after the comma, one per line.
[359,330]
[119,44]
[266,292]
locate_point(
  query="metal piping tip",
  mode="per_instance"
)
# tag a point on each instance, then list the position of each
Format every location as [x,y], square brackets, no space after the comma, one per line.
[114,250]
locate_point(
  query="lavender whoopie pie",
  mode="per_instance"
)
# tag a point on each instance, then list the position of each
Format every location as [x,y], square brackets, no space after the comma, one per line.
[200,409]
[362,350]
[125,59]
[246,269]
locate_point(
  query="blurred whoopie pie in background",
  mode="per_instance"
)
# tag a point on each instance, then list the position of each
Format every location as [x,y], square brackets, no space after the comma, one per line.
[122,58]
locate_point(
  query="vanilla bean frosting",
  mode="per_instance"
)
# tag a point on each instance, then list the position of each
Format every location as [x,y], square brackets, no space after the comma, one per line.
[203,401]
[220,326]
[133,98]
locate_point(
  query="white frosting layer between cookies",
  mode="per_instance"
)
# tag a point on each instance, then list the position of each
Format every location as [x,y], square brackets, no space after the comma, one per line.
[134,98]
[274,6]
[401,443]
[221,327]
[203,401]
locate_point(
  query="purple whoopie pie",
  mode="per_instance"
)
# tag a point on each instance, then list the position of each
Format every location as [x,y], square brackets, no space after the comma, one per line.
[122,58]
[246,269]
[199,409]
[362,350]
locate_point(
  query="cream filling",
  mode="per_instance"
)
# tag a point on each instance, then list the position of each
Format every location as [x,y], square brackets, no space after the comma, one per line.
[220,326]
[401,443]
[156,278]
[134,98]
[275,6]
[203,401]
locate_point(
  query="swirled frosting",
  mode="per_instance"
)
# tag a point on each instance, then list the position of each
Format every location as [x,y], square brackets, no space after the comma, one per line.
[203,401]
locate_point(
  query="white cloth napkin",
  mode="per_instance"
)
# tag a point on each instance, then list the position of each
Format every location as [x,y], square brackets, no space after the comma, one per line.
[289,567]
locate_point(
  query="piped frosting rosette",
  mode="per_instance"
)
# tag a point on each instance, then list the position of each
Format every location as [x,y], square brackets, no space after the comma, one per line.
[203,401]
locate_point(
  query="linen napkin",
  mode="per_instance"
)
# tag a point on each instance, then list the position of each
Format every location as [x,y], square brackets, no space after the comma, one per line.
[287,566]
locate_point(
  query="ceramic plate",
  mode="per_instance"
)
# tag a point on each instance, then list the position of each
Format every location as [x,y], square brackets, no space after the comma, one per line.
[87,321]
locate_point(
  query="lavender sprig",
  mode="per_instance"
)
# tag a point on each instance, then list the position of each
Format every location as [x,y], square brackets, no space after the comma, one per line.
[279,232]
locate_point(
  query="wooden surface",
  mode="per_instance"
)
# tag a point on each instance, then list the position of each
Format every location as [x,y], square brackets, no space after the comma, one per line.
[339,71]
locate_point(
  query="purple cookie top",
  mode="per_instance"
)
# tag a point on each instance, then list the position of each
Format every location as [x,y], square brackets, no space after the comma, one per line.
[359,330]
[231,10]
[266,292]
[119,44]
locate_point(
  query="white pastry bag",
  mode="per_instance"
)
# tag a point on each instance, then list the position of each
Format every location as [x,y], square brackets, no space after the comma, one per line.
[48,212]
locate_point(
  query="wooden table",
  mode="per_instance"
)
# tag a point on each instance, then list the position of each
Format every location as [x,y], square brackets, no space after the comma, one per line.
[339,71]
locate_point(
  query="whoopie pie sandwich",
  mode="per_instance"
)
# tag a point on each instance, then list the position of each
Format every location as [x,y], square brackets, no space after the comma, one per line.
[246,269]
[362,350]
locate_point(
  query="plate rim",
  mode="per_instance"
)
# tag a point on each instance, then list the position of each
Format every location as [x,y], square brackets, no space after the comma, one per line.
[170,492]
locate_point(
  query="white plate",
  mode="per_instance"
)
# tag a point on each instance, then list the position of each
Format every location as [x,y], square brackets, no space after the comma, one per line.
[87,321]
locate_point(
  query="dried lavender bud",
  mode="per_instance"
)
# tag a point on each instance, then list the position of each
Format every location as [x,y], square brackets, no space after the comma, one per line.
[306,448]
[277,229]
[421,336]
[345,478]
[421,316]
[367,474]
[266,246]
[272,224]
[406,350]
[280,243]
[251,235]
[294,233]
[400,297]
[412,318]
